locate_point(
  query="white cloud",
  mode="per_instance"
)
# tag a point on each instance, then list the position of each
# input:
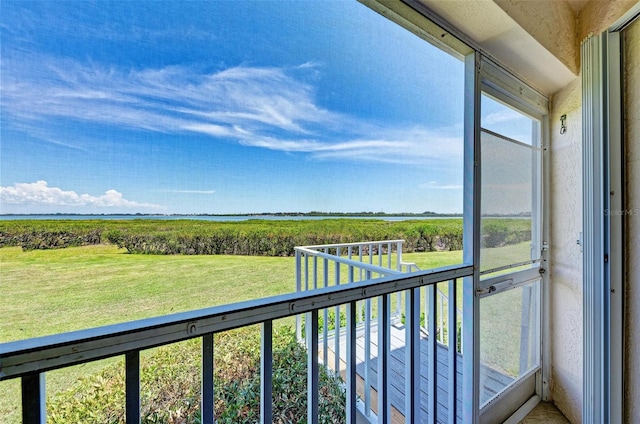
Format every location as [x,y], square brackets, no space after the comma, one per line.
[189,191]
[261,107]
[434,185]
[502,116]
[40,194]
[166,99]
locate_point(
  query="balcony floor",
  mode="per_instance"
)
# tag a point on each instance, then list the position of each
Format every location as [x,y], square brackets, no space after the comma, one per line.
[493,381]
[545,413]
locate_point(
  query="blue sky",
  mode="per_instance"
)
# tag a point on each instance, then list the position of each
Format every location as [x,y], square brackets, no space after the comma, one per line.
[225,107]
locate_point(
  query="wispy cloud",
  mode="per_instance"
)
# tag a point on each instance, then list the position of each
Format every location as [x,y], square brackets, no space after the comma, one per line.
[268,107]
[502,116]
[189,191]
[434,185]
[40,194]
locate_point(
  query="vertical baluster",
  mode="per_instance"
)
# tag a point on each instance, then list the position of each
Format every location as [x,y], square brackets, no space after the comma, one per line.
[360,254]
[34,399]
[298,271]
[207,380]
[353,311]
[325,315]
[306,272]
[384,348]
[367,352]
[306,287]
[441,314]
[412,356]
[360,278]
[312,370]
[427,318]
[325,338]
[132,386]
[432,405]
[266,369]
[380,254]
[326,268]
[315,272]
[351,363]
[452,353]
[298,290]
[399,268]
[337,317]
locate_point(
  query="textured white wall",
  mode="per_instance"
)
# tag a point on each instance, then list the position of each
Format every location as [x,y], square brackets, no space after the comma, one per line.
[566,224]
[553,23]
[566,259]
[632,117]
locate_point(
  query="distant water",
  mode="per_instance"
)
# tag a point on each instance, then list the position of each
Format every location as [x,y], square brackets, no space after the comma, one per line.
[219,218]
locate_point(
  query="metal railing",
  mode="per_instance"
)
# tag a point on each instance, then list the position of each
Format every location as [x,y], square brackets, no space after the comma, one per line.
[336,265]
[30,359]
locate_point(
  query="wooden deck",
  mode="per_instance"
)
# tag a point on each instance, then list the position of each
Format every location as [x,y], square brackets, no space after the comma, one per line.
[492,381]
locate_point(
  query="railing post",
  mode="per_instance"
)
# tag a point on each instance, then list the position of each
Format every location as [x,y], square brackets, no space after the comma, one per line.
[441,314]
[384,346]
[306,272]
[336,334]
[207,379]
[432,403]
[34,399]
[452,353]
[266,371]
[298,289]
[350,376]
[326,270]
[315,272]
[313,385]
[399,268]
[367,352]
[412,356]
[132,377]
[325,315]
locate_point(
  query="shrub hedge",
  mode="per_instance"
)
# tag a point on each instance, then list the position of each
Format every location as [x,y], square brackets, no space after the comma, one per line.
[252,237]
[170,385]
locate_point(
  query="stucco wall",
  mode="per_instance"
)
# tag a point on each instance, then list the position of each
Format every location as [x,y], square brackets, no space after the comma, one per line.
[598,15]
[565,277]
[552,23]
[632,146]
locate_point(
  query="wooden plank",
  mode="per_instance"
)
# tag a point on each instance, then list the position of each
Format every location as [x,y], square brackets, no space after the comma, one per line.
[492,380]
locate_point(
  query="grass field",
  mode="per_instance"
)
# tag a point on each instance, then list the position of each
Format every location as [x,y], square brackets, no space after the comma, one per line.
[54,291]
[62,290]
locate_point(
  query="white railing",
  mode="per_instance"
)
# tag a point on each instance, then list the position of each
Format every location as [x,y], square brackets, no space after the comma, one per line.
[353,264]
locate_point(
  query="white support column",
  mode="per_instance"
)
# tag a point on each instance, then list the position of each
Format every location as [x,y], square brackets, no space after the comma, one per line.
[602,229]
[471,239]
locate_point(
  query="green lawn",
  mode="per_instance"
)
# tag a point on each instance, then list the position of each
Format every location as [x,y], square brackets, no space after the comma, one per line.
[80,287]
[52,291]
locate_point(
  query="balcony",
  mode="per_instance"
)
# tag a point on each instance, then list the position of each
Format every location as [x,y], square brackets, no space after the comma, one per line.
[387,365]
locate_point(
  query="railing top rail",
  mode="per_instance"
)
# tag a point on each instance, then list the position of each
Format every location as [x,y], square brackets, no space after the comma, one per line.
[346,261]
[359,243]
[60,350]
